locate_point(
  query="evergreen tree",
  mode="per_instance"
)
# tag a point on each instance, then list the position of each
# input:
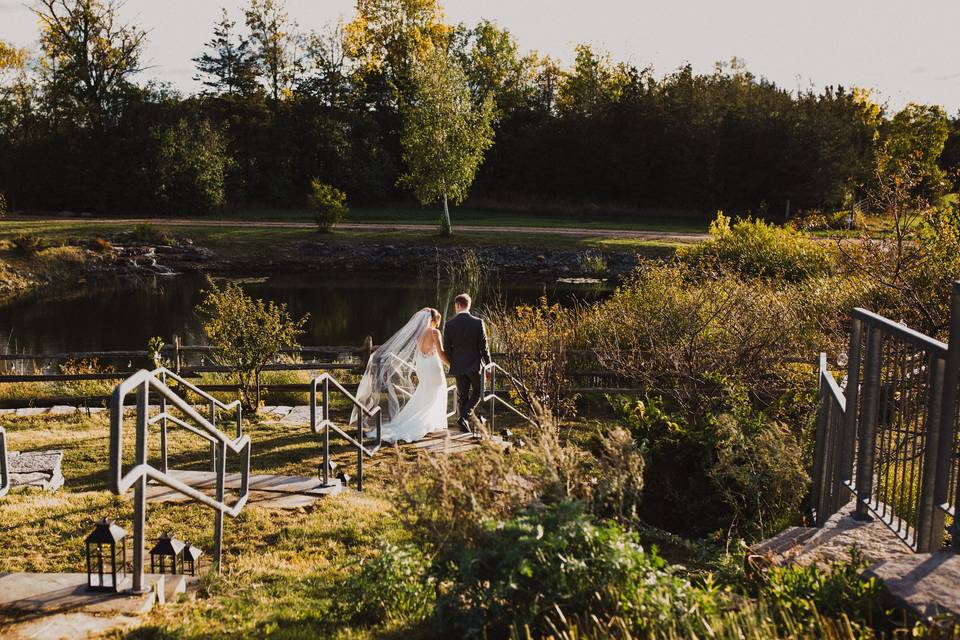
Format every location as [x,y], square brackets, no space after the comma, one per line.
[229,67]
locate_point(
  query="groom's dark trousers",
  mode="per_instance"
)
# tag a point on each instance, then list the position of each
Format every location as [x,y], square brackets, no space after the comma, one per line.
[465,343]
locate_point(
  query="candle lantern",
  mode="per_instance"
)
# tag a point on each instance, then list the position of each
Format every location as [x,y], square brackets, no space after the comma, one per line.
[106,557]
[167,550]
[191,559]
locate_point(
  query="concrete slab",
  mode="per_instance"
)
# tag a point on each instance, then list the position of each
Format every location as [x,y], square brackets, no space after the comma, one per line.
[36,469]
[267,491]
[926,583]
[32,594]
[62,410]
[29,412]
[297,415]
[7,412]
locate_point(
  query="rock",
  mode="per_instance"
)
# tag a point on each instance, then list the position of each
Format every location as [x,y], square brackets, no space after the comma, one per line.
[36,469]
[62,409]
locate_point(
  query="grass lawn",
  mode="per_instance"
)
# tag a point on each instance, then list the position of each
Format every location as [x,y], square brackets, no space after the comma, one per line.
[281,568]
[400,214]
[263,242]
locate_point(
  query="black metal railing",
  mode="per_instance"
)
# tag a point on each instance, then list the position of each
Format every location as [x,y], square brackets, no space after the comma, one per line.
[890,439]
[4,468]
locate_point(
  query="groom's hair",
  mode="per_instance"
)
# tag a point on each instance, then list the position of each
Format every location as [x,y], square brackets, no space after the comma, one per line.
[463,301]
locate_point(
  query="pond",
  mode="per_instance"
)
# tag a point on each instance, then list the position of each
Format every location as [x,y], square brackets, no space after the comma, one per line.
[343,308]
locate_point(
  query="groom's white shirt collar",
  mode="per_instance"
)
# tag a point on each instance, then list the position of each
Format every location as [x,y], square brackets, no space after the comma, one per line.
[467,311]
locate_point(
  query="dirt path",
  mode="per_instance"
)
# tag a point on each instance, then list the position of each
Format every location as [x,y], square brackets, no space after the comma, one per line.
[670,236]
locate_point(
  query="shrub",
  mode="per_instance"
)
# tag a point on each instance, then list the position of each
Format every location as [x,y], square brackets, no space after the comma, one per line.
[329,204]
[150,234]
[100,245]
[528,571]
[3,204]
[392,587]
[803,591]
[592,263]
[535,340]
[755,248]
[247,334]
[28,243]
[816,220]
[619,487]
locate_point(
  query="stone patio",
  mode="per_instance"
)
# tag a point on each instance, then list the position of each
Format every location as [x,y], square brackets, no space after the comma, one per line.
[57,605]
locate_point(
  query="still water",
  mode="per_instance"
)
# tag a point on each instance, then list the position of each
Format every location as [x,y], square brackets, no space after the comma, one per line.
[343,308]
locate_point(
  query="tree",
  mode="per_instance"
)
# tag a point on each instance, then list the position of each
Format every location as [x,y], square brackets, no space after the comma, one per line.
[917,135]
[445,134]
[88,56]
[247,334]
[191,162]
[387,37]
[230,67]
[275,38]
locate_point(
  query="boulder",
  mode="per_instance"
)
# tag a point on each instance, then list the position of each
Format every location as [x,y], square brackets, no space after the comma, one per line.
[36,469]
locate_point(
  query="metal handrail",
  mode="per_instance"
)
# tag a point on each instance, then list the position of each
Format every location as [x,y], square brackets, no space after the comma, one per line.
[325,424]
[494,399]
[4,468]
[828,475]
[138,475]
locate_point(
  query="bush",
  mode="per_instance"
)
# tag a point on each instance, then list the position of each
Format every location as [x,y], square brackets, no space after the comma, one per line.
[329,204]
[529,571]
[535,340]
[755,248]
[392,587]
[3,204]
[801,592]
[816,220]
[28,243]
[100,245]
[149,234]
[247,334]
[592,263]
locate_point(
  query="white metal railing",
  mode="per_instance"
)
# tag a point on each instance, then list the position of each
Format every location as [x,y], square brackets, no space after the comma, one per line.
[325,425]
[4,468]
[490,393]
[137,476]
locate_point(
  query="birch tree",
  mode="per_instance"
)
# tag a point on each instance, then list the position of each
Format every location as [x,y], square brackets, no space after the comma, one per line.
[445,133]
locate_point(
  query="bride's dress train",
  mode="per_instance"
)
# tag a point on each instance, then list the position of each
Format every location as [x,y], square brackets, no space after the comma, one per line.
[426,410]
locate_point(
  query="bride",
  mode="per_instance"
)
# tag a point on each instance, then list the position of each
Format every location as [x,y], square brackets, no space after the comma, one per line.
[412,409]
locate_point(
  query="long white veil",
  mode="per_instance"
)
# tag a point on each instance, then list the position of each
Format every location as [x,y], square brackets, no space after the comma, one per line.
[390,369]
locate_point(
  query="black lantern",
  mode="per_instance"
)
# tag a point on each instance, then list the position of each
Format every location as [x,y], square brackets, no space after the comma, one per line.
[167,548]
[106,563]
[191,559]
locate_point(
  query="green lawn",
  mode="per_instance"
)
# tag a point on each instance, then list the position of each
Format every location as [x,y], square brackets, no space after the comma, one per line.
[254,242]
[400,214]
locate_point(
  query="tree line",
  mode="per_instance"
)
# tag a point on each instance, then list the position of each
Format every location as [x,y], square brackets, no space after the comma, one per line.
[396,101]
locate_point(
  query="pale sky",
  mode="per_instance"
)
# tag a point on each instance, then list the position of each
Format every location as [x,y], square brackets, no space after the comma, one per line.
[905,51]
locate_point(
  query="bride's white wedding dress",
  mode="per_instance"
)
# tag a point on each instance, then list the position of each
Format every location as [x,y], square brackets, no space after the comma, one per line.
[409,386]
[426,410]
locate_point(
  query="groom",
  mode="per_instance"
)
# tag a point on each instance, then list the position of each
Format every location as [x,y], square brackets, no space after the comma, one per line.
[465,343]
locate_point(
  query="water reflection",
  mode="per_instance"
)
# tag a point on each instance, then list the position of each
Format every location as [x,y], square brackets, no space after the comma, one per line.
[343,308]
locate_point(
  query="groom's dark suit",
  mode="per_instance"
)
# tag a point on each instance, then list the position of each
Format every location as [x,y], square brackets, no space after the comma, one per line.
[465,342]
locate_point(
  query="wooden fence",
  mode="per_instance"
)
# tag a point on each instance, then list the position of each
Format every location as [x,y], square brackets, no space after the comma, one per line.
[191,361]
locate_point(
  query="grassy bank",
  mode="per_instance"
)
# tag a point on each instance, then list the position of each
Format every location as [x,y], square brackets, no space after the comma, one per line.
[246,242]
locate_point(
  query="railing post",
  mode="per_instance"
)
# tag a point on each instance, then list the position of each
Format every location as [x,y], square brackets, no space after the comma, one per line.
[140,488]
[326,432]
[213,446]
[176,354]
[948,420]
[4,470]
[820,445]
[360,453]
[867,421]
[218,517]
[365,352]
[851,394]
[493,399]
[164,466]
[930,518]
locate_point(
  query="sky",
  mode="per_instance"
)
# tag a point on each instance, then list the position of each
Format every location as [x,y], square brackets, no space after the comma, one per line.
[905,52]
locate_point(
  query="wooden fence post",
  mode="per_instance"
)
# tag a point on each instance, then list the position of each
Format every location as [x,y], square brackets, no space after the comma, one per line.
[176,353]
